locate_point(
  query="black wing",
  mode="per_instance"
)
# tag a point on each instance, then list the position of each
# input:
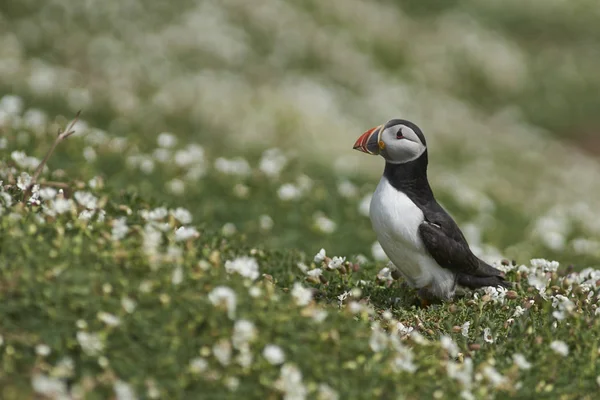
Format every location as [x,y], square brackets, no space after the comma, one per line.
[448,246]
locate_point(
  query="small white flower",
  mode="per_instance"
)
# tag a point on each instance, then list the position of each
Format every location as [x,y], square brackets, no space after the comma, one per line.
[320,256]
[49,387]
[521,361]
[184,233]
[198,365]
[240,190]
[464,329]
[325,224]
[326,392]
[385,274]
[315,273]
[288,192]
[487,335]
[347,189]
[378,340]
[42,350]
[265,222]
[301,295]
[222,295]
[128,304]
[119,229]
[182,215]
[274,354]
[124,391]
[61,206]
[177,276]
[290,383]
[404,330]
[232,383]
[222,352]
[237,166]
[244,332]
[493,376]
[109,319]
[228,229]
[560,347]
[245,266]
[272,162]
[336,262]
[448,344]
[157,214]
[518,311]
[166,140]
[90,343]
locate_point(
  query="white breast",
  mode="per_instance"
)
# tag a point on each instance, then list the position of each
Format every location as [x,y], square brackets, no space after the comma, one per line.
[396,221]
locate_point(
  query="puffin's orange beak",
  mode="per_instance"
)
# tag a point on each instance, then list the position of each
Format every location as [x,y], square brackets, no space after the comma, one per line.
[369,141]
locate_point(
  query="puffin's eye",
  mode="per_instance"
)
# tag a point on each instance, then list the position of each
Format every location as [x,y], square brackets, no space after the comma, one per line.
[399,134]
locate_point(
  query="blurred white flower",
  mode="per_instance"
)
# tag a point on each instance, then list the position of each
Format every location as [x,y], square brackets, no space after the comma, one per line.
[90,343]
[119,229]
[23,181]
[326,392]
[47,193]
[11,104]
[109,319]
[521,361]
[42,350]
[222,295]
[274,354]
[156,214]
[493,376]
[302,296]
[347,189]
[128,304]
[544,265]
[240,190]
[124,391]
[245,266]
[49,387]
[184,233]
[222,352]
[378,340]
[89,154]
[198,365]
[385,274]
[315,273]
[24,161]
[272,162]
[166,140]
[560,347]
[290,383]
[61,206]
[182,215]
[265,222]
[324,224]
[228,229]
[463,373]
[237,166]
[320,256]
[288,191]
[86,199]
[192,155]
[448,344]
[244,332]
[518,311]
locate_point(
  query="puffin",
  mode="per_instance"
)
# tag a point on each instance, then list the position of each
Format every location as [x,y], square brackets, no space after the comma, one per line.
[419,237]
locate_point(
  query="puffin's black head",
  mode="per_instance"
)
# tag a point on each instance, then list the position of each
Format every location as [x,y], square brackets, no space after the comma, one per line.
[398,141]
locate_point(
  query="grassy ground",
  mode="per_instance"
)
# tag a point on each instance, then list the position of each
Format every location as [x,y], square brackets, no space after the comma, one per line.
[102,295]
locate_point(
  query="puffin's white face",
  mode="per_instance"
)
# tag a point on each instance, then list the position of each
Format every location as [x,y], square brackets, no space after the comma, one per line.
[398,141]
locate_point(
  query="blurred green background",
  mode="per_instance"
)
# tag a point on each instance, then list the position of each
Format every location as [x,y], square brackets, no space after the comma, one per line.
[505,91]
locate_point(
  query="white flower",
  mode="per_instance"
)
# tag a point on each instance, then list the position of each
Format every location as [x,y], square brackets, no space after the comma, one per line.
[124,391]
[49,387]
[244,332]
[228,229]
[128,304]
[497,294]
[222,352]
[385,274]
[521,361]
[177,276]
[61,206]
[272,162]
[86,215]
[166,140]
[192,155]
[404,360]
[232,383]
[518,311]
[11,104]
[274,354]
[463,373]
[237,166]
[23,181]
[320,256]
[89,154]
[560,347]
[324,224]
[184,233]
[378,252]
[245,266]
[90,343]
[24,161]
[404,330]
[176,186]
[448,344]
[336,262]
[347,189]
[157,214]
[545,265]
[487,335]
[288,192]
[290,383]
[315,273]
[42,350]
[493,376]
[198,365]
[301,295]
[464,329]
[378,340]
[265,222]
[182,215]
[109,319]
[326,392]
[222,295]
[119,228]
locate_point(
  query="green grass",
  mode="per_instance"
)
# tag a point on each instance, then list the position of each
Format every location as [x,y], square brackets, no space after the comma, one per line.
[60,274]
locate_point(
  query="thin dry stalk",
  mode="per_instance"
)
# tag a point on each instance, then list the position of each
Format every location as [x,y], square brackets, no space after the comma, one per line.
[62,135]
